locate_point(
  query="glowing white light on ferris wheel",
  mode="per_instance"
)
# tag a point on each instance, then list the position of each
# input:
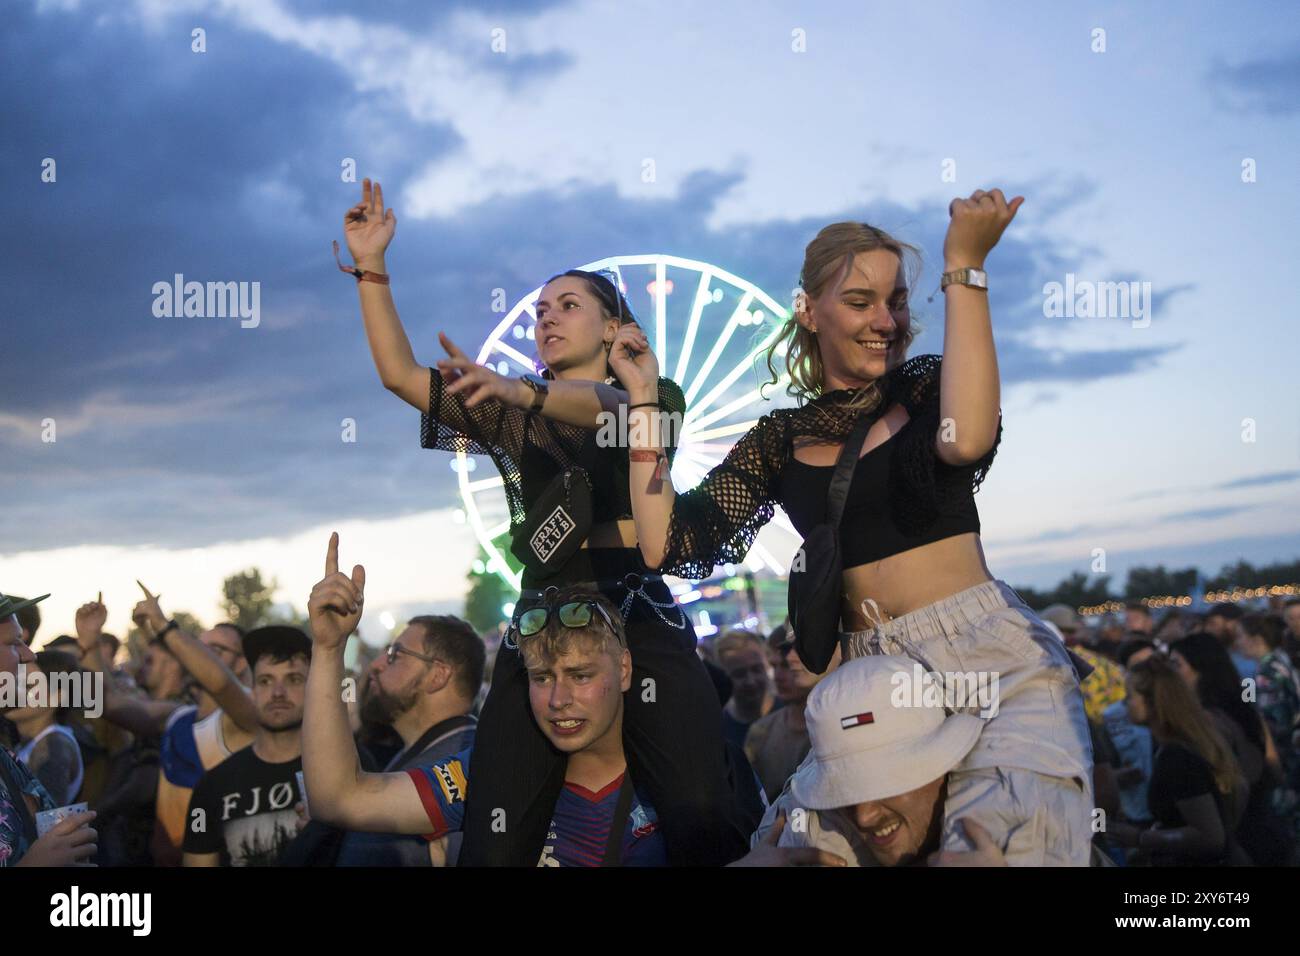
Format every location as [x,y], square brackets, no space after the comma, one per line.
[707,343]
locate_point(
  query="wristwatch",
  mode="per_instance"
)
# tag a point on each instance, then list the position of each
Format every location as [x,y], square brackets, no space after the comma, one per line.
[975,278]
[541,388]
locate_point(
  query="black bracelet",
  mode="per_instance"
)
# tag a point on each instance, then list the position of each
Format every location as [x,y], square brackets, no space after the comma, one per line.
[171,625]
[643,405]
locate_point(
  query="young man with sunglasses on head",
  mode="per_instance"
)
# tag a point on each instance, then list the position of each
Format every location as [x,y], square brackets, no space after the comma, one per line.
[578,665]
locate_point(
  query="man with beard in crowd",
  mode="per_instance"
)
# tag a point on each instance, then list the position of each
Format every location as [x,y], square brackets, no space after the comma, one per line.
[423,686]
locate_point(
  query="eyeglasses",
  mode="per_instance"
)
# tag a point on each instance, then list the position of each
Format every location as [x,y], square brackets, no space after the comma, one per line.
[571,614]
[394,649]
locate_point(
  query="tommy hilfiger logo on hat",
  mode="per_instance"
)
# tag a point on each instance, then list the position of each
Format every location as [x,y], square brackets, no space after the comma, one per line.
[857,720]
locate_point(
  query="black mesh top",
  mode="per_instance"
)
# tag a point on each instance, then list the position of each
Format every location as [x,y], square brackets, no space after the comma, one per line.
[529,450]
[716,522]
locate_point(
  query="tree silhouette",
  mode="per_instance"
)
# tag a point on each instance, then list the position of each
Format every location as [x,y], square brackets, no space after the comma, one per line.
[247,600]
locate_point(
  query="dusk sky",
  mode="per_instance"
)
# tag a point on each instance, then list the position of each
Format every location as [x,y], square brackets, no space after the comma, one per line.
[189,448]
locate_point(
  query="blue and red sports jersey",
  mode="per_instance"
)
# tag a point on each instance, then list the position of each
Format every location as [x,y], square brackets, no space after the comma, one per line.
[579,829]
[579,826]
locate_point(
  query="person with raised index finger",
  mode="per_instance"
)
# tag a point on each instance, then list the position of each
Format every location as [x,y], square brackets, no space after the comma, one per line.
[570,524]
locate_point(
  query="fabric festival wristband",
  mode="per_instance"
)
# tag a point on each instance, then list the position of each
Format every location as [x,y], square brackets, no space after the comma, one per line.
[363,275]
[646,454]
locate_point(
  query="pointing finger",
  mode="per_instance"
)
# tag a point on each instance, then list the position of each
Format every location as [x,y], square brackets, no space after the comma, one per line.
[332,554]
[450,346]
[147,595]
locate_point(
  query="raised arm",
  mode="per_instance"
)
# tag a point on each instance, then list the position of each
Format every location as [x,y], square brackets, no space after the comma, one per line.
[338,790]
[146,718]
[713,523]
[201,663]
[368,228]
[970,395]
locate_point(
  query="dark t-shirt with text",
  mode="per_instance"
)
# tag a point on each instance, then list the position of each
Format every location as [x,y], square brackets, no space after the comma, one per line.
[246,809]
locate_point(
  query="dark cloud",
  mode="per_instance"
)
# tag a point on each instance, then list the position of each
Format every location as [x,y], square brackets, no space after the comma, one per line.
[1254,481]
[1206,514]
[1268,85]
[225,166]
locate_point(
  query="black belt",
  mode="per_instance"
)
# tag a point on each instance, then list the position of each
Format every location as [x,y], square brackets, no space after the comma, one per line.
[631,581]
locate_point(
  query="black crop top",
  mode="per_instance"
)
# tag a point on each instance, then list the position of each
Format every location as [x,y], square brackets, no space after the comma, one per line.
[529,450]
[902,495]
[868,528]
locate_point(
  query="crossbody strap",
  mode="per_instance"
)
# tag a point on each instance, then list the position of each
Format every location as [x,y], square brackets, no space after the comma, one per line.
[838,492]
[614,846]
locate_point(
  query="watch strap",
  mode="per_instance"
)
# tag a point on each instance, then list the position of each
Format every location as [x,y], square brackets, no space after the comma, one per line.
[968,276]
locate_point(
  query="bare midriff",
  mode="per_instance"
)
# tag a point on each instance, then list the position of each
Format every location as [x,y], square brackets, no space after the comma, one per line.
[612,534]
[905,582]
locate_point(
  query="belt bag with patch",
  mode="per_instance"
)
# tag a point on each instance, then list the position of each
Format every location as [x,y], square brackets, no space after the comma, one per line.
[557,523]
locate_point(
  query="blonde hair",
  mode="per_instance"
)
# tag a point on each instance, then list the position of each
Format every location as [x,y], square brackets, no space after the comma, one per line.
[737,639]
[556,639]
[828,259]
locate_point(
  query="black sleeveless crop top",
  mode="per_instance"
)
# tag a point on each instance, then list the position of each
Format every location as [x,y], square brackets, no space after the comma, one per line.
[902,496]
[869,529]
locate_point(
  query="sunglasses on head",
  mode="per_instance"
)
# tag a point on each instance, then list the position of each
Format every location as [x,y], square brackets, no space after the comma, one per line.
[571,614]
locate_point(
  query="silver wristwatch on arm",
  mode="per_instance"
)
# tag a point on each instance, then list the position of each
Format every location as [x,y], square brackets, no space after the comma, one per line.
[975,278]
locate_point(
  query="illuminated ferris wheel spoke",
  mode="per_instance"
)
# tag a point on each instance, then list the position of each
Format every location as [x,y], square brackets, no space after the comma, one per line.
[747,365]
[767,558]
[737,429]
[515,354]
[702,298]
[716,352]
[729,409]
[661,312]
[498,530]
[483,484]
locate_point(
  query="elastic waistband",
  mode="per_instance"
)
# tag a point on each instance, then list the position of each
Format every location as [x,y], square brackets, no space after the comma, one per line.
[948,616]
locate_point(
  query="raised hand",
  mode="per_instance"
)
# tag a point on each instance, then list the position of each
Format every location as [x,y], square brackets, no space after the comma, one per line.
[634,362]
[336,602]
[148,613]
[478,383]
[90,621]
[368,227]
[976,226]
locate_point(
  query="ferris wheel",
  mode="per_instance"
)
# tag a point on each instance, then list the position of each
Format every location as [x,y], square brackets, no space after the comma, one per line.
[707,328]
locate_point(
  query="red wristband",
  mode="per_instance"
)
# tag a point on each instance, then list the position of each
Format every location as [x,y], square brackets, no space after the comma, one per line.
[363,275]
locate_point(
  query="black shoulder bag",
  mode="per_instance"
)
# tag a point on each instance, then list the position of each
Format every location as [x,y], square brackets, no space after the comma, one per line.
[559,520]
[817,574]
